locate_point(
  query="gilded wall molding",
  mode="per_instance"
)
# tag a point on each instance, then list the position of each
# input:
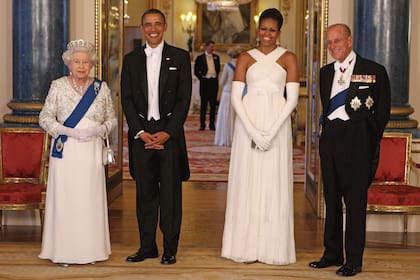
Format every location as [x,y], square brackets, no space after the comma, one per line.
[166,7]
[25,106]
[286,5]
[9,118]
[402,111]
[402,124]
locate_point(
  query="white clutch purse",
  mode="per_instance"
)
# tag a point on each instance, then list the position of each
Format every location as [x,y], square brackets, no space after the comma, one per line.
[107,153]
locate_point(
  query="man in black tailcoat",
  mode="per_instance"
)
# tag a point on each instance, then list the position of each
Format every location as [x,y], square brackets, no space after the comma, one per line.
[155,96]
[207,68]
[355,97]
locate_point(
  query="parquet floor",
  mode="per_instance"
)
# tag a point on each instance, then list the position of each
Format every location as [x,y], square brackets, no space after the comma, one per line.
[199,248]
[203,217]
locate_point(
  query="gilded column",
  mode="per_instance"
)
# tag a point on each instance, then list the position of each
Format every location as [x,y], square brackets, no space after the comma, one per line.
[40,34]
[382,33]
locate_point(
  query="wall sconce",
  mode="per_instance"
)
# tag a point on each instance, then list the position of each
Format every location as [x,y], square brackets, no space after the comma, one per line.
[256,20]
[188,26]
[126,16]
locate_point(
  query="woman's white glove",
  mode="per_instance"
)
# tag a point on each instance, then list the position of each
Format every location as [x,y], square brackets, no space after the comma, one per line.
[292,91]
[71,132]
[236,98]
[98,130]
[82,134]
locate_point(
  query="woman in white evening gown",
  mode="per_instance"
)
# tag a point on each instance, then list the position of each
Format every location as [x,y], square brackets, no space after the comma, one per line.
[76,216]
[259,213]
[225,114]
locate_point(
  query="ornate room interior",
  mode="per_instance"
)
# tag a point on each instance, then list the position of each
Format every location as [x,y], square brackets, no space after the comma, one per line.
[113,26]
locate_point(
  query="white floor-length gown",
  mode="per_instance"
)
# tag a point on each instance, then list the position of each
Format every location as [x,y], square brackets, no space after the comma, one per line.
[76,227]
[259,222]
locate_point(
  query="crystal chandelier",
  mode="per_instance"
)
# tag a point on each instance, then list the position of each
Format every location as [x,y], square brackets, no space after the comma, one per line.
[214,5]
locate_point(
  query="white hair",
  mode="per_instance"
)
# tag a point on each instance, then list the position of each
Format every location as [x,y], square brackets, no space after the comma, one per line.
[79,45]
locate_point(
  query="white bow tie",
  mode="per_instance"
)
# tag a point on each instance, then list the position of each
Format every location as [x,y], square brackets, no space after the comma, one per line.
[344,65]
[150,51]
[341,65]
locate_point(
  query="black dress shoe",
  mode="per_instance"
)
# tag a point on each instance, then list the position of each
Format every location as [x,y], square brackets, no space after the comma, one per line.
[202,128]
[324,262]
[212,127]
[166,259]
[348,270]
[140,256]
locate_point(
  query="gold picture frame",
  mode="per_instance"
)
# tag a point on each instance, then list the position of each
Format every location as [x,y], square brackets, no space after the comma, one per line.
[316,58]
[227,28]
[109,48]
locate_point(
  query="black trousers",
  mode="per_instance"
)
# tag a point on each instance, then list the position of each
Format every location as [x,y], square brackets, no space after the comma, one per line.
[208,95]
[345,151]
[158,191]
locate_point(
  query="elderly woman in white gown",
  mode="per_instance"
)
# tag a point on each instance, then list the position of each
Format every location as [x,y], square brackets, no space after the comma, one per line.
[78,113]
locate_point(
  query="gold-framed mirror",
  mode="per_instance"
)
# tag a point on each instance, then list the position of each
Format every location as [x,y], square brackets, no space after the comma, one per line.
[109,47]
[316,58]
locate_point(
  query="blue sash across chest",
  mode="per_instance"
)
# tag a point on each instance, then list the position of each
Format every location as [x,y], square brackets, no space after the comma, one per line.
[338,100]
[75,116]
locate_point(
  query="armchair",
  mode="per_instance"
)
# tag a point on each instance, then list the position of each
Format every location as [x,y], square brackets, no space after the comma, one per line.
[390,192]
[23,159]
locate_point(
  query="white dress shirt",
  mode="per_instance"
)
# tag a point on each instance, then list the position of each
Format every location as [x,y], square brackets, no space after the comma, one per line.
[211,69]
[344,74]
[153,62]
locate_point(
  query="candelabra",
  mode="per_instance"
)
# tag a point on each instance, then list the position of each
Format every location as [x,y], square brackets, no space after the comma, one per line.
[188,26]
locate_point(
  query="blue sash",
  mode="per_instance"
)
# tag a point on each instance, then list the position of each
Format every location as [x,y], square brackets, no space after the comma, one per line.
[245,90]
[231,66]
[76,116]
[338,100]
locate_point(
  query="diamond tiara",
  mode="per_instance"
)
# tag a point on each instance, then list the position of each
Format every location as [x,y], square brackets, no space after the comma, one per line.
[79,43]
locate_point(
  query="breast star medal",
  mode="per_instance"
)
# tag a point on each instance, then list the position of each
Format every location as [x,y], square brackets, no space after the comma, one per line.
[355,103]
[369,102]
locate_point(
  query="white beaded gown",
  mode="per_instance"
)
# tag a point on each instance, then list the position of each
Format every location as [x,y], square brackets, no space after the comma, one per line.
[225,114]
[259,222]
[76,227]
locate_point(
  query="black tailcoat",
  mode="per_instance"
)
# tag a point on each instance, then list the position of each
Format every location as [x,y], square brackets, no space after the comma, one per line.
[158,173]
[349,153]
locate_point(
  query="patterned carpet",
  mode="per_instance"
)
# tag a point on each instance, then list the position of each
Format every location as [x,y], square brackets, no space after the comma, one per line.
[209,162]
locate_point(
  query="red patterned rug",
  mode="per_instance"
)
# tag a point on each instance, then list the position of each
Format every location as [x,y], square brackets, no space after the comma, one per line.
[207,161]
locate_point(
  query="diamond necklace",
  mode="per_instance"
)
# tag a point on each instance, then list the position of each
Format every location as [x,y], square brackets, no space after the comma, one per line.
[79,89]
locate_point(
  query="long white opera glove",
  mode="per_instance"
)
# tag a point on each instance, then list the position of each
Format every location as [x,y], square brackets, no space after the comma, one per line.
[236,98]
[292,90]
